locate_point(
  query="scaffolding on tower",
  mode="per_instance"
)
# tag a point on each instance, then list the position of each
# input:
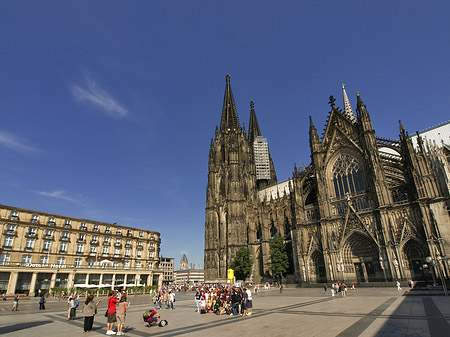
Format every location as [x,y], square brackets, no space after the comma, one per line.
[262,162]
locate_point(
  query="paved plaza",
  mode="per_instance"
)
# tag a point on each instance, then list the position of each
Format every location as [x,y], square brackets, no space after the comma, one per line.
[296,312]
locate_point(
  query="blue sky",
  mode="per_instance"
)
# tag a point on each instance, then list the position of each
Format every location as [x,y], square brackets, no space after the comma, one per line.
[108,107]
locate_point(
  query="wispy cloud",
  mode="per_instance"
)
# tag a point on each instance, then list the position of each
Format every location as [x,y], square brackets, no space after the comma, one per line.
[11,142]
[61,195]
[99,97]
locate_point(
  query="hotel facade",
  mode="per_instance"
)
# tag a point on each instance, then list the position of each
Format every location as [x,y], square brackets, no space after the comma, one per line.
[42,251]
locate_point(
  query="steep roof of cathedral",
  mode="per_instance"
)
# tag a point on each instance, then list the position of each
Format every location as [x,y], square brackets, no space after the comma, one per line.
[230,119]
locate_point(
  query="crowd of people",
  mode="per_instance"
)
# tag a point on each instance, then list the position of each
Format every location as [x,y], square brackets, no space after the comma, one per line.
[217,299]
[224,300]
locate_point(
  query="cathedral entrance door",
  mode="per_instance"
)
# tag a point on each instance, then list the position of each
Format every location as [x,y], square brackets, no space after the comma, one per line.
[417,268]
[415,253]
[359,273]
[370,271]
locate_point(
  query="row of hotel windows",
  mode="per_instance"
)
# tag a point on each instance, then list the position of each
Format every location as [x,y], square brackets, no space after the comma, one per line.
[11,229]
[80,247]
[67,224]
[5,260]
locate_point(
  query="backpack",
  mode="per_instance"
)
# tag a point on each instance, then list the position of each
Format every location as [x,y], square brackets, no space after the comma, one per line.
[163,322]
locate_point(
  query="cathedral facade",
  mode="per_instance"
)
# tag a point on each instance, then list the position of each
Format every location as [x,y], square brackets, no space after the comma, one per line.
[366,209]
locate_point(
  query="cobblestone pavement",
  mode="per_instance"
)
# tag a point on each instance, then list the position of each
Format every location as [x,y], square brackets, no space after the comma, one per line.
[296,312]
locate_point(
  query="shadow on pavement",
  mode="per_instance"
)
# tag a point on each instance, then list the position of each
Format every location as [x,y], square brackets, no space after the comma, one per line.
[23,326]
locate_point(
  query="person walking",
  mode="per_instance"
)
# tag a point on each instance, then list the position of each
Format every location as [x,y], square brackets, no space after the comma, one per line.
[398,285]
[42,303]
[249,302]
[171,299]
[166,299]
[158,301]
[16,303]
[121,313]
[325,288]
[89,310]
[111,312]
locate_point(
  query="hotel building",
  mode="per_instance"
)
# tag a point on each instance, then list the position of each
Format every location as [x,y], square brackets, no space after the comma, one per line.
[42,250]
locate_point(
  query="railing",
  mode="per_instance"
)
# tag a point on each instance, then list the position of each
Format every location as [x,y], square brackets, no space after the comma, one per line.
[360,203]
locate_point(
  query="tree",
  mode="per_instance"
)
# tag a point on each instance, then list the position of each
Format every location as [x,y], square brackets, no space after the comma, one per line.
[279,262]
[241,264]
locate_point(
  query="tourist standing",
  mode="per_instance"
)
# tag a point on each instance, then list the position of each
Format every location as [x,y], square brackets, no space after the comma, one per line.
[42,303]
[172,299]
[235,300]
[89,310]
[198,297]
[72,304]
[16,303]
[249,302]
[111,313]
[121,313]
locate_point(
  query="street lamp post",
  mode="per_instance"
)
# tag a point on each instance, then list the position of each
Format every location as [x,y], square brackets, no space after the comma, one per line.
[437,263]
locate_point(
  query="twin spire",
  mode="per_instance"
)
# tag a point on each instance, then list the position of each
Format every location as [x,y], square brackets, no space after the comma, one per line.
[230,119]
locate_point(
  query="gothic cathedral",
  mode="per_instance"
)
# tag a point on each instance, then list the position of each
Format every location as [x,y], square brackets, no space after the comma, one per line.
[366,209]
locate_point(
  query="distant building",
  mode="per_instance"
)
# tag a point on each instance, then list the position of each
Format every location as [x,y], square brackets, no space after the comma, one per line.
[186,275]
[167,265]
[189,276]
[42,251]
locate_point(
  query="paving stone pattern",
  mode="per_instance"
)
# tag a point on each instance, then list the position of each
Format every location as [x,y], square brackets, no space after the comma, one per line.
[296,312]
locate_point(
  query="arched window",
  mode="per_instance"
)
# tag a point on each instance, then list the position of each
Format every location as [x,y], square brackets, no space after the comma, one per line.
[347,176]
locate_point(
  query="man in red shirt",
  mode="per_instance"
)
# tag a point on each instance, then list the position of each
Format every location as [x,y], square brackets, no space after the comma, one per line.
[111,313]
[153,318]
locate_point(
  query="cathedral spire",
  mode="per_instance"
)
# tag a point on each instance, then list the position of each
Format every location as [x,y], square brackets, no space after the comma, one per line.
[253,126]
[348,111]
[313,136]
[360,106]
[229,120]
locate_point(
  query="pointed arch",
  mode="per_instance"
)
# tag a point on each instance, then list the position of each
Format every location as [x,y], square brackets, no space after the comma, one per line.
[414,254]
[360,258]
[317,268]
[273,231]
